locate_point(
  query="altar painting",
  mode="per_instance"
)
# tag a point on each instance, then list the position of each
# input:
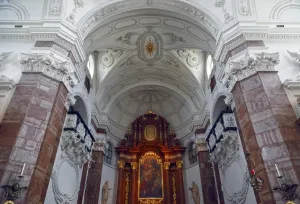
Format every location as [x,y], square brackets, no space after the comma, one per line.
[150,178]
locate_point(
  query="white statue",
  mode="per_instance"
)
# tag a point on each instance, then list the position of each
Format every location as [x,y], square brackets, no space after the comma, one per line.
[105,190]
[195,193]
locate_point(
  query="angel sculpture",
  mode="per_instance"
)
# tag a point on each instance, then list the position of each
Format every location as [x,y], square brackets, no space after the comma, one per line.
[195,193]
[105,190]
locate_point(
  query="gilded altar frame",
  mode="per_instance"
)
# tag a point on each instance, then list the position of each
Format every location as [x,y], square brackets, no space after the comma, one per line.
[159,161]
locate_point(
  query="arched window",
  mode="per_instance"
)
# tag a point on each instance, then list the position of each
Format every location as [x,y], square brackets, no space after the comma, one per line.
[192,153]
[91,65]
[209,65]
[108,153]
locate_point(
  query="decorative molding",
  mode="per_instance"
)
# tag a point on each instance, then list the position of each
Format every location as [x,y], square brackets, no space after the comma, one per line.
[109,57]
[249,66]
[50,67]
[240,196]
[201,145]
[55,7]
[126,38]
[190,56]
[100,145]
[16,7]
[282,7]
[150,46]
[292,84]
[59,196]
[70,101]
[295,55]
[229,101]
[76,140]
[121,164]
[172,38]
[77,4]
[6,83]
[244,8]
[167,165]
[221,4]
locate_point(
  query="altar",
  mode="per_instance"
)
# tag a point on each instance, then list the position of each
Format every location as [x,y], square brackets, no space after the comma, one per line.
[150,163]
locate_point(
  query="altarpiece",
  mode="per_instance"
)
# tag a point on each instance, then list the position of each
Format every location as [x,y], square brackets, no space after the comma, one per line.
[150,163]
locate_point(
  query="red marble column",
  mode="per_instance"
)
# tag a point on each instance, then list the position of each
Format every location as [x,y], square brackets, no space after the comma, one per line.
[82,183]
[30,132]
[92,191]
[134,182]
[209,192]
[167,184]
[120,197]
[180,181]
[266,120]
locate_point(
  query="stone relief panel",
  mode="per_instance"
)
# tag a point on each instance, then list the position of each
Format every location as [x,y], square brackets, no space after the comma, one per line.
[55,7]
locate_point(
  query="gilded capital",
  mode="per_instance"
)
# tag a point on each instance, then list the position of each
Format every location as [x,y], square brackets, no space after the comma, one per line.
[167,165]
[179,164]
[134,165]
[121,164]
[201,146]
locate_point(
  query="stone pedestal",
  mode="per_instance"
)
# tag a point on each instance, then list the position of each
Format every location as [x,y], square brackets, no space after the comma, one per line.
[267,124]
[30,132]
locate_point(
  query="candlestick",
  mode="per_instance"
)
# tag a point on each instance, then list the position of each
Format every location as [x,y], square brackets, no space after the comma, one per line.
[23,169]
[277,170]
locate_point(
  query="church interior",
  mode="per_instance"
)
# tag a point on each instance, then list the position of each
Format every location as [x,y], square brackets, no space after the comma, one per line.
[150,101]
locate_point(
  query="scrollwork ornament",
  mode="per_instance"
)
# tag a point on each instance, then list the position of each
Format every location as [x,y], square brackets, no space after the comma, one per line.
[179,164]
[167,165]
[134,165]
[121,164]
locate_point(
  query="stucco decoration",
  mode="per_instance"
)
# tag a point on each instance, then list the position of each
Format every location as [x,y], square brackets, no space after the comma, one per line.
[128,38]
[109,57]
[55,7]
[229,101]
[77,4]
[10,69]
[248,66]
[244,8]
[51,67]
[240,196]
[282,7]
[150,46]
[294,83]
[70,101]
[191,57]
[295,55]
[20,11]
[65,180]
[221,4]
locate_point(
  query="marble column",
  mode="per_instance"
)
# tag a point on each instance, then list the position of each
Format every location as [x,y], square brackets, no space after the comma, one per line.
[134,181]
[209,188]
[267,124]
[30,132]
[167,183]
[120,198]
[179,165]
[92,191]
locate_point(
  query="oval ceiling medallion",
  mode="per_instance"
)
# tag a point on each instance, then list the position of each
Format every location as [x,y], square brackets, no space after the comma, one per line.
[150,47]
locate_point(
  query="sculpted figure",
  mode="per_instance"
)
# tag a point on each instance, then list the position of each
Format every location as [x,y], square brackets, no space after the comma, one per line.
[105,190]
[195,193]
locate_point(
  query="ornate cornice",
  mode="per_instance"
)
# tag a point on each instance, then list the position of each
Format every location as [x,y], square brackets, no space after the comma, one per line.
[49,66]
[248,66]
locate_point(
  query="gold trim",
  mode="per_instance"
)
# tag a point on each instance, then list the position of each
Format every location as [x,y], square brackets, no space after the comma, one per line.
[174,187]
[9,202]
[290,202]
[150,137]
[179,164]
[121,164]
[134,165]
[159,161]
[127,180]
[167,165]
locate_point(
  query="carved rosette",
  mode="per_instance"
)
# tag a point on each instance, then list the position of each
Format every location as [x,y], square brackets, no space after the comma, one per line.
[248,66]
[51,67]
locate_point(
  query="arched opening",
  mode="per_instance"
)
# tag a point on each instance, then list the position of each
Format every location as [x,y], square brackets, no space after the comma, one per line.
[209,65]
[91,65]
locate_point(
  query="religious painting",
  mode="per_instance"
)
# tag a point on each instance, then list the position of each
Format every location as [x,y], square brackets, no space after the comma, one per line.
[150,177]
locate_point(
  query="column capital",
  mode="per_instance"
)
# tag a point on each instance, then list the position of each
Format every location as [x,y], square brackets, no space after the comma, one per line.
[121,164]
[51,66]
[179,164]
[249,65]
[201,145]
[134,165]
[167,165]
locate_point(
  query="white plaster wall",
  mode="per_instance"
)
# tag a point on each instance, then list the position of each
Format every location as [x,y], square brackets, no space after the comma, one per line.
[109,174]
[190,174]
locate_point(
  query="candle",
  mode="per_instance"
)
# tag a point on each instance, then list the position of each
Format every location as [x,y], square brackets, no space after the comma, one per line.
[253,172]
[23,169]
[277,170]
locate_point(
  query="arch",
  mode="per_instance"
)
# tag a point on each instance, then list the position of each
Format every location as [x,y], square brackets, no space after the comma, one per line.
[195,13]
[218,104]
[91,65]
[20,11]
[209,65]
[281,7]
[81,107]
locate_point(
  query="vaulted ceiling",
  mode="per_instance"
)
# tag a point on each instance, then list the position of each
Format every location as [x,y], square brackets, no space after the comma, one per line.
[150,59]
